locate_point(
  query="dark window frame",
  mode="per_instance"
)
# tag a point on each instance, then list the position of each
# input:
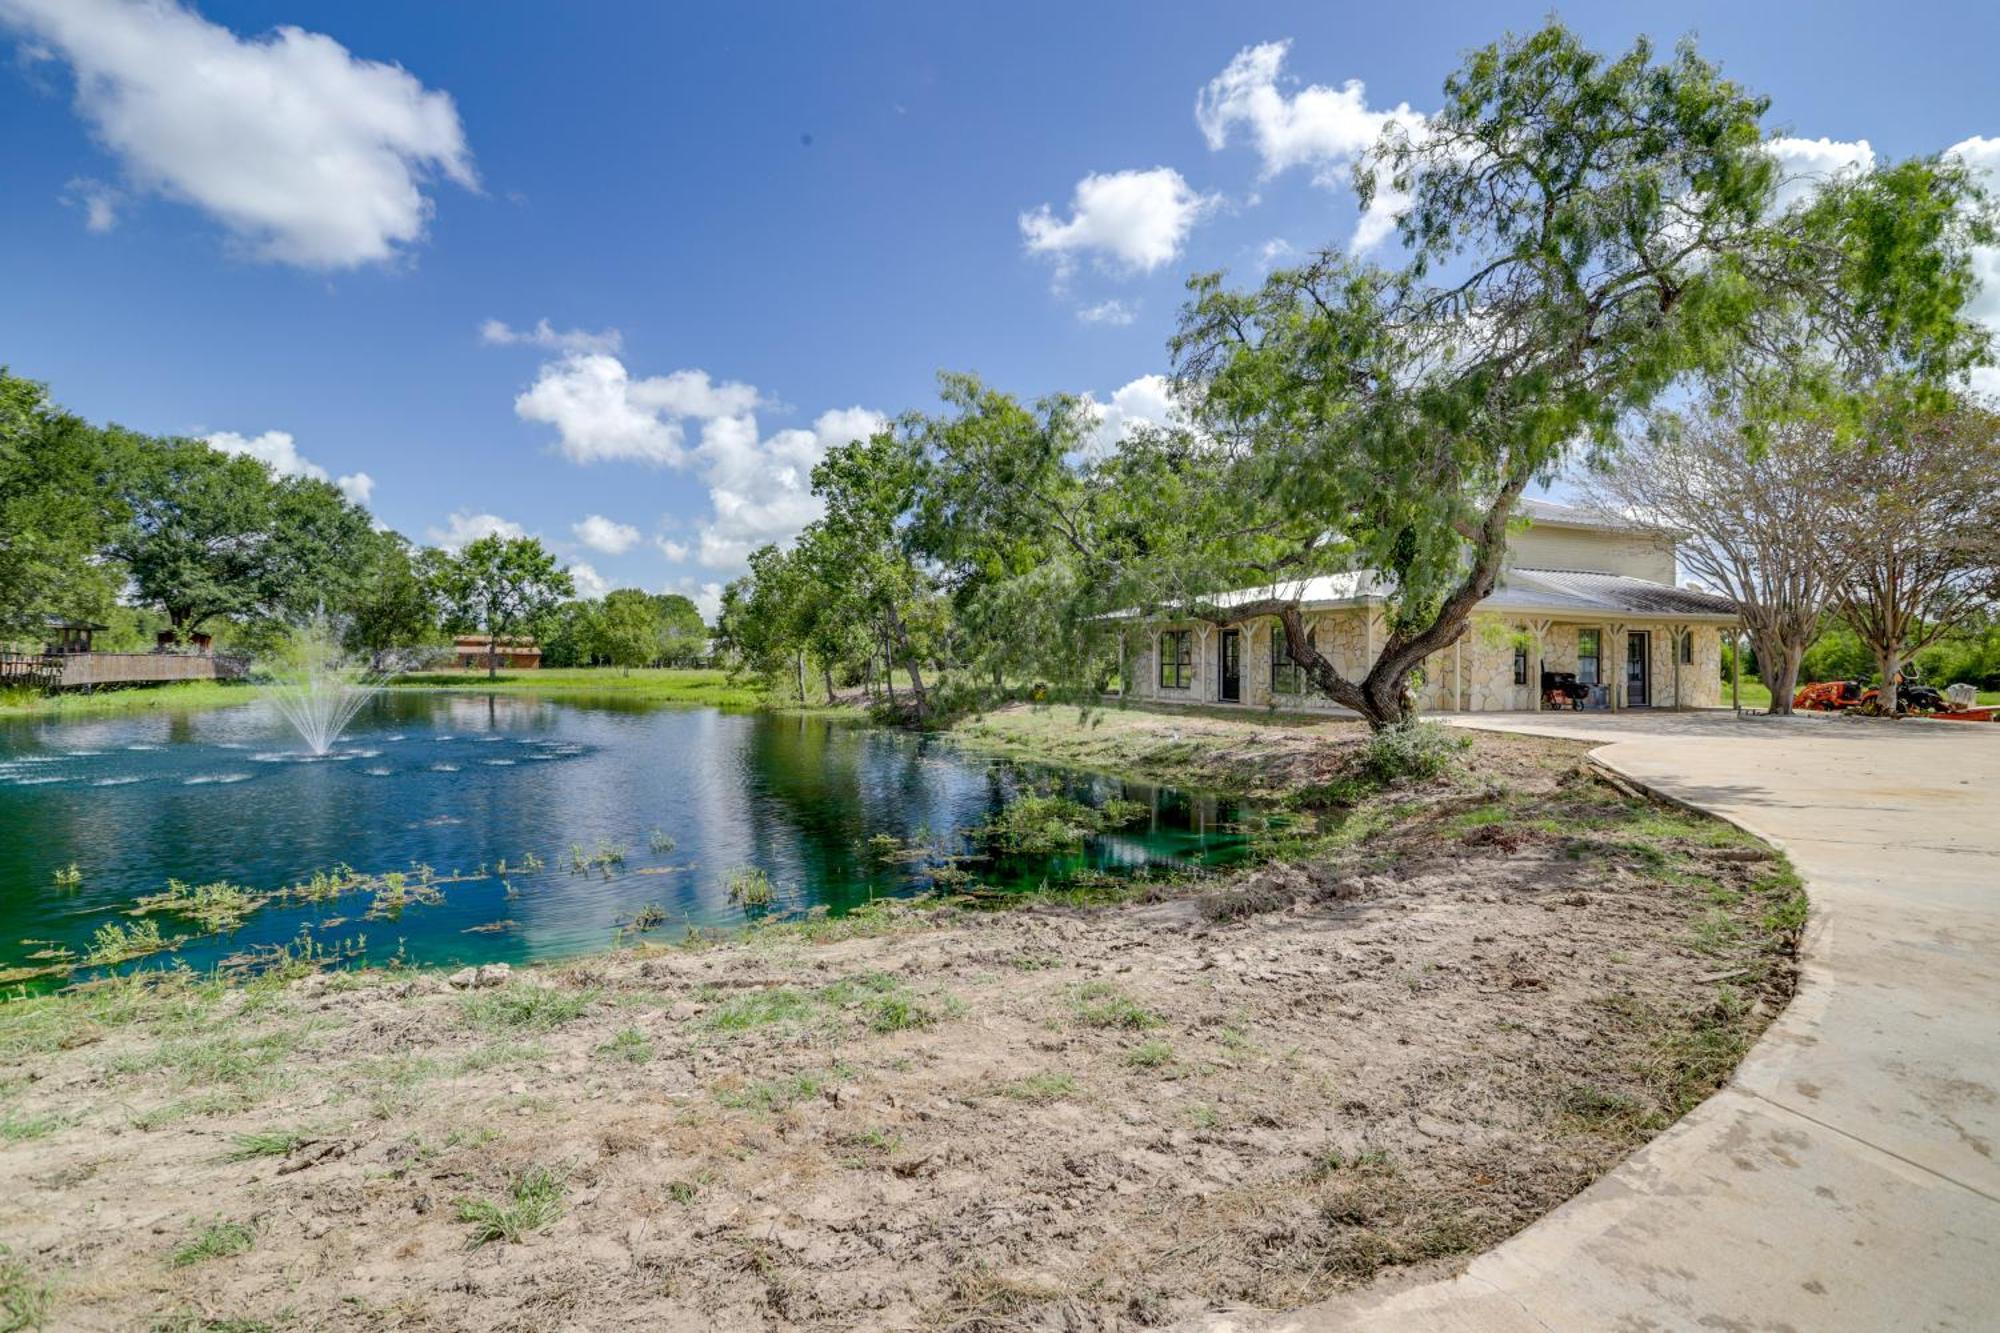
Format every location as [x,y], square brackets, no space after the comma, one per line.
[1687,648]
[1596,658]
[1287,676]
[1520,664]
[1177,663]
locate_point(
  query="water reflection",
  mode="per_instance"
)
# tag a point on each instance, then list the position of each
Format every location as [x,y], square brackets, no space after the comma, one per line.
[462,783]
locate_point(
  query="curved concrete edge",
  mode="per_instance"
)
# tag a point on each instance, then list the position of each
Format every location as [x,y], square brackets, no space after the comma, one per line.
[1844,1177]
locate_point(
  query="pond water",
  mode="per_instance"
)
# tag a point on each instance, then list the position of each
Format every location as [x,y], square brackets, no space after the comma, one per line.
[462,783]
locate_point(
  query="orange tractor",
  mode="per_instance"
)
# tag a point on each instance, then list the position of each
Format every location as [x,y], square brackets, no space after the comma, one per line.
[1837,696]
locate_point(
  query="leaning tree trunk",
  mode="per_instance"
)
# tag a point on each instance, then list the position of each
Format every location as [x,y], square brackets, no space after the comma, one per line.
[826,674]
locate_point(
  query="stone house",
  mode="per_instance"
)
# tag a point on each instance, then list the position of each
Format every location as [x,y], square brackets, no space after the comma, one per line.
[1580,593]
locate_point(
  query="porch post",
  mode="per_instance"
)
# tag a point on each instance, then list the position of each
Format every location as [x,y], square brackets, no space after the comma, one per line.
[1202,673]
[1617,655]
[1736,668]
[1539,629]
[1121,666]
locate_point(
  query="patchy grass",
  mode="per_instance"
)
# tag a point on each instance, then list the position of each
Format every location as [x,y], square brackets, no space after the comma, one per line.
[534,1202]
[1099,1004]
[25,1302]
[181,695]
[522,1006]
[220,1239]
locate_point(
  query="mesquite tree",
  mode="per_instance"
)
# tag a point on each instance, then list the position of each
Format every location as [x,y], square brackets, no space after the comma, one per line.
[1581,235]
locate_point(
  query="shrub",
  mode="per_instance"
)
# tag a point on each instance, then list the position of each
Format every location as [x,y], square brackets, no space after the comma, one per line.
[1411,751]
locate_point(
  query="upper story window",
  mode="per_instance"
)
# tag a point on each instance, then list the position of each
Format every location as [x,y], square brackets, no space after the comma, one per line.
[1176,659]
[1287,676]
[1589,651]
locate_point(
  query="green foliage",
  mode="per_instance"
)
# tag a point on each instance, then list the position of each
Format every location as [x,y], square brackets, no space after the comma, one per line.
[500,586]
[216,907]
[1412,752]
[113,943]
[749,886]
[523,1007]
[1099,1004]
[534,1202]
[1045,825]
[220,1239]
[24,1302]
[57,509]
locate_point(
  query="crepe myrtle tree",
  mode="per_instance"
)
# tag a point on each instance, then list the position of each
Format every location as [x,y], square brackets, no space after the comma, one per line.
[499,585]
[1759,526]
[1919,531]
[1580,234]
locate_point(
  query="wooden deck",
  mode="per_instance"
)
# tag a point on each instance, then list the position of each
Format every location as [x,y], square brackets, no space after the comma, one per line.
[86,671]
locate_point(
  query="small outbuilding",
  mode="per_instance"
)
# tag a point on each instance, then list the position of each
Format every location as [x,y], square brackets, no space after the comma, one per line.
[477,652]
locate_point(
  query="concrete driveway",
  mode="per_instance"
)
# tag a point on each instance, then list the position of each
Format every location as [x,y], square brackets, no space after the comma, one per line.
[1846,1178]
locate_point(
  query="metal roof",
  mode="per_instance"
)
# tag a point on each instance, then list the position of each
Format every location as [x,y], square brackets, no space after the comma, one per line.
[1551,591]
[1579,590]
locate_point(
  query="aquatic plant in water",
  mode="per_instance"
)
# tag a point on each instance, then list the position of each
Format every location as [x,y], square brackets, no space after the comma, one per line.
[750,886]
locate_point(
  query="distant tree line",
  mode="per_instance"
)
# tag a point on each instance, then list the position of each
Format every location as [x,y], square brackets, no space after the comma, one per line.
[153,535]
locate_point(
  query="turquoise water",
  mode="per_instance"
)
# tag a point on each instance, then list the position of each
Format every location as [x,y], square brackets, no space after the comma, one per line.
[461,783]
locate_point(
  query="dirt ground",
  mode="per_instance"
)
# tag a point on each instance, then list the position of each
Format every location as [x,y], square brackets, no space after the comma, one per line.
[1446,1011]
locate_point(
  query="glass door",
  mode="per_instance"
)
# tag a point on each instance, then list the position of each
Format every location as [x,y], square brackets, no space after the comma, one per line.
[1231,674]
[1638,668]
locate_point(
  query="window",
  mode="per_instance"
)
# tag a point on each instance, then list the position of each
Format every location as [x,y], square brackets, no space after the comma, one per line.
[1587,654]
[1287,676]
[1687,647]
[1177,659]
[1520,664]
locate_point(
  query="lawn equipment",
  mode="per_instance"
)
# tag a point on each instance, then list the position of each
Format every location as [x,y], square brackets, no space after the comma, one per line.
[1837,696]
[1829,696]
[1560,690]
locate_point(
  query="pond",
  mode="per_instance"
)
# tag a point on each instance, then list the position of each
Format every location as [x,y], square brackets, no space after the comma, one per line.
[504,828]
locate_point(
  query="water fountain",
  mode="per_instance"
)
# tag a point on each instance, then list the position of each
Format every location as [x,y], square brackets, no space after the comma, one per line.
[317,688]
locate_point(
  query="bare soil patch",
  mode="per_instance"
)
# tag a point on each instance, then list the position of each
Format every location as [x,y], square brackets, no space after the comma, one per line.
[1449,1010]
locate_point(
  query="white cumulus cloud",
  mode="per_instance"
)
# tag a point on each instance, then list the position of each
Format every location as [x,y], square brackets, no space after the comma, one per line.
[1324,129]
[500,334]
[306,153]
[277,450]
[1132,221]
[1806,164]
[605,535]
[1114,312]
[760,487]
[589,583]
[1145,401]
[462,529]
[601,413]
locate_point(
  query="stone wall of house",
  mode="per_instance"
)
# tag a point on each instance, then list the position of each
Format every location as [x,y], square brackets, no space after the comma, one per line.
[1477,675]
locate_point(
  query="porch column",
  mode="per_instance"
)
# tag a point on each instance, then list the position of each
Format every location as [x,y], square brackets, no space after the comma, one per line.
[1616,651]
[1201,671]
[1539,630]
[1121,666]
[1367,639]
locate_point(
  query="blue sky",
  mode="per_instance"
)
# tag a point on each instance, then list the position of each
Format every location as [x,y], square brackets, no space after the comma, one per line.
[748,227]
